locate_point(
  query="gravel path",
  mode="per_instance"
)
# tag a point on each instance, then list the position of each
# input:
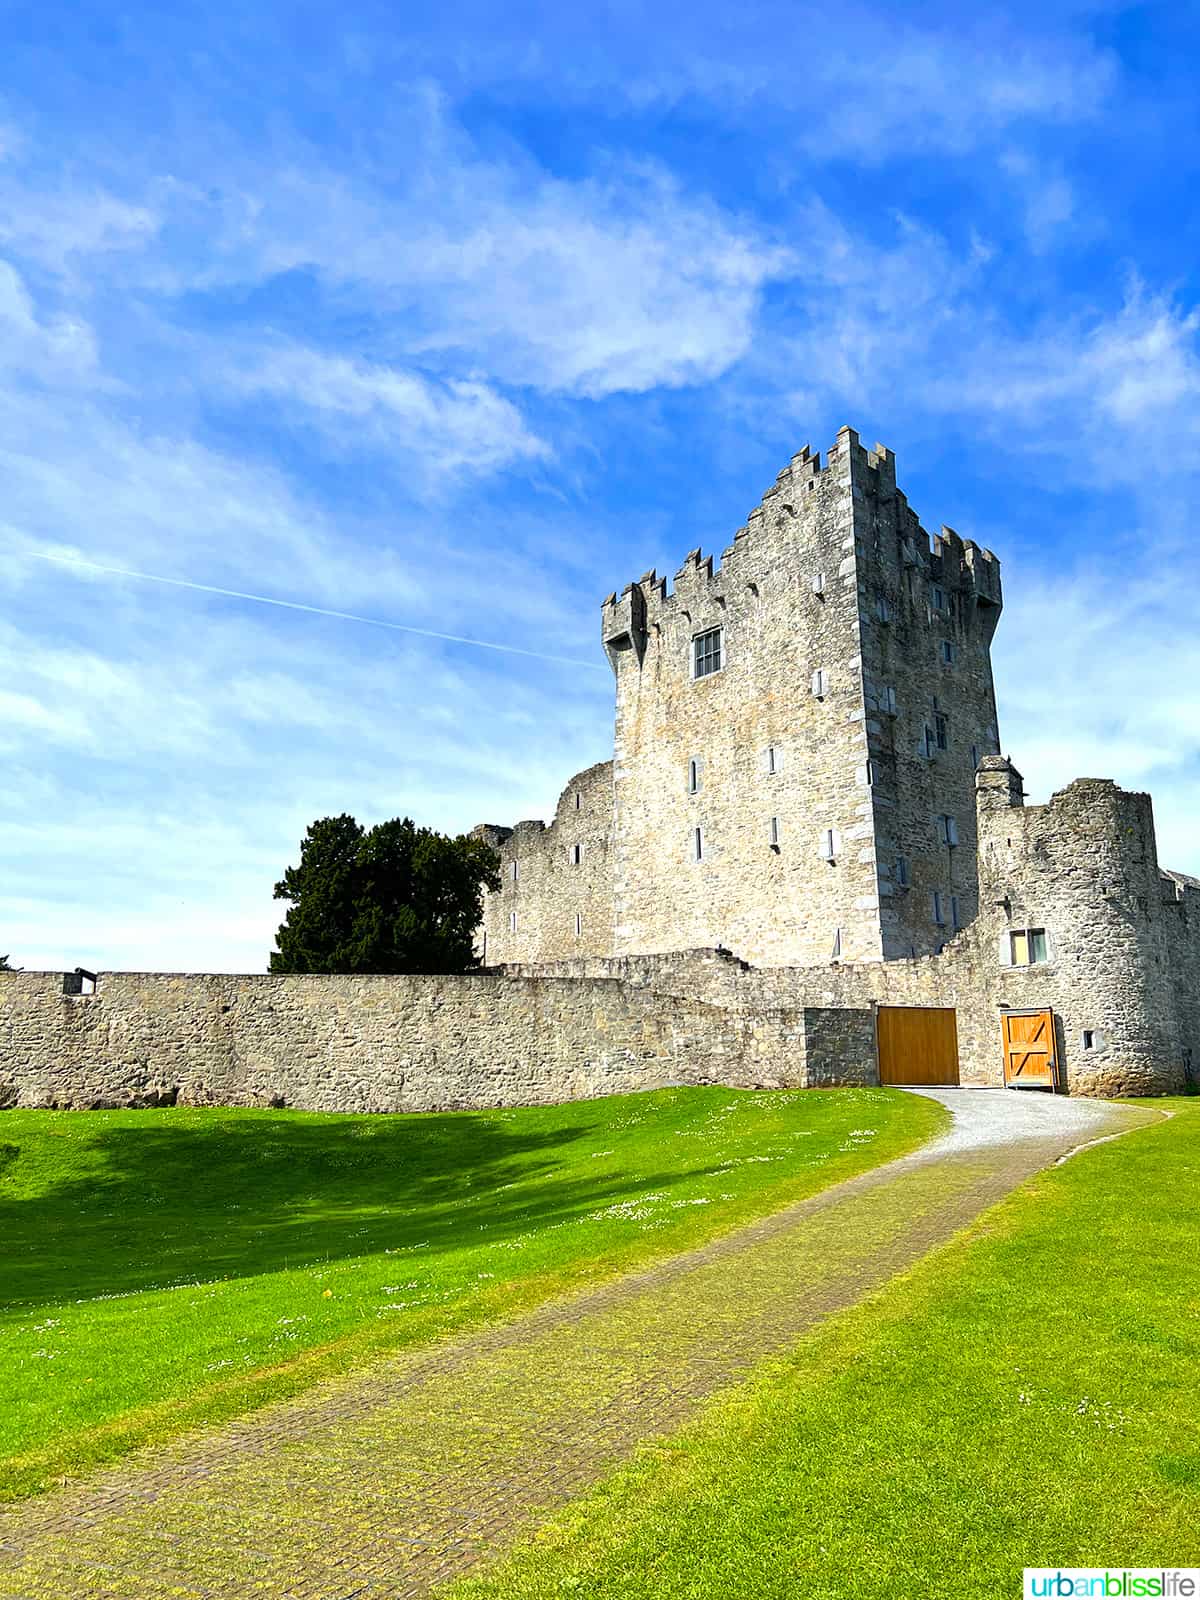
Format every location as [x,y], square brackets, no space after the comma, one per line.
[393,1481]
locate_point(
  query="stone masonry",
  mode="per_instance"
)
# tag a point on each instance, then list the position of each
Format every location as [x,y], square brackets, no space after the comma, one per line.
[811,798]
[806,817]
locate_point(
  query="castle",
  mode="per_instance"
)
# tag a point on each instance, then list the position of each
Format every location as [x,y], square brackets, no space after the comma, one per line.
[806,773]
[807,864]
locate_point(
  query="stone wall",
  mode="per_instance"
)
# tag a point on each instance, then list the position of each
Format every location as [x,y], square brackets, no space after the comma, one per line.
[556,896]
[1123,945]
[372,1043]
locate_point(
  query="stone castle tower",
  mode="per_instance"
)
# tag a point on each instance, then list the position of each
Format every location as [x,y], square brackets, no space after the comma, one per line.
[796,740]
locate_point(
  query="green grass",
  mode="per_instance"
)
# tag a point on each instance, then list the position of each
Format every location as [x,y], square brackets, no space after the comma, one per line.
[165,1268]
[1029,1395]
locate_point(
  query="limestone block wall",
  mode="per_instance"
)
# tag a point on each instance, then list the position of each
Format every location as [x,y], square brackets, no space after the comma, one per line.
[765,742]
[372,1043]
[1123,949]
[556,892]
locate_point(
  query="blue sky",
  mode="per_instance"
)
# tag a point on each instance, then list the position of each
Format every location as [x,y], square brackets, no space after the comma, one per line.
[459,317]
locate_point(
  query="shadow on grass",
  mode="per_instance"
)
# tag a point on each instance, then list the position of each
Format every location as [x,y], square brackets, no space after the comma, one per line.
[165,1204]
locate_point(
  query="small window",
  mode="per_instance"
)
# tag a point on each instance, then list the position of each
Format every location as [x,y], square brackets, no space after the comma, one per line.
[837,944]
[577,799]
[706,653]
[828,845]
[902,877]
[929,742]
[697,844]
[773,831]
[975,757]
[1028,946]
[939,914]
[887,700]
[772,758]
[818,583]
[576,854]
[866,773]
[512,922]
[883,609]
[1089,1039]
[954,917]
[693,776]
[820,683]
[948,652]
[938,596]
[514,871]
[941,727]
[947,830]
[578,924]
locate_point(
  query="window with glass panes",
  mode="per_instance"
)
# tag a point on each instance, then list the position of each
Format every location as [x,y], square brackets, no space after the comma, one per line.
[706,653]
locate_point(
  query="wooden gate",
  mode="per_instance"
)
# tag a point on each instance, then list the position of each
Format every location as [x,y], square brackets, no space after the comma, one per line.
[1028,1049]
[918,1045]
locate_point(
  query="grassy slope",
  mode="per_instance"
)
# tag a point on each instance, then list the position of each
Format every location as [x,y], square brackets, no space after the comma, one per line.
[1029,1395]
[163,1268]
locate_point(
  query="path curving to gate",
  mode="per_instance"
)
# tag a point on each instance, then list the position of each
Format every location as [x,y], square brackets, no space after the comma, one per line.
[396,1479]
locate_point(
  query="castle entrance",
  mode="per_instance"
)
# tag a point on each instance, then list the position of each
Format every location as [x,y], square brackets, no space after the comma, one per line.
[1028,1049]
[918,1045]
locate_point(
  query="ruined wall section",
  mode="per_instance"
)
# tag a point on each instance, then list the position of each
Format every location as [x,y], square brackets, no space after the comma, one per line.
[768,742]
[556,896]
[371,1043]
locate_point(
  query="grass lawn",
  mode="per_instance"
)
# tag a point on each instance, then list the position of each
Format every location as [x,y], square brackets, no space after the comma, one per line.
[1028,1395]
[165,1268]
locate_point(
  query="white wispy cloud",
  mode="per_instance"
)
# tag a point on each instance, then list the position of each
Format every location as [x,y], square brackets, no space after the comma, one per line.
[445,426]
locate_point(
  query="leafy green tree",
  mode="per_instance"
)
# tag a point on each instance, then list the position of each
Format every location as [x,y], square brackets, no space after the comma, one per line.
[393,898]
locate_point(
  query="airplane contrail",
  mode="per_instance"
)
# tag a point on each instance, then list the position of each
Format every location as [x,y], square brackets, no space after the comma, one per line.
[315,611]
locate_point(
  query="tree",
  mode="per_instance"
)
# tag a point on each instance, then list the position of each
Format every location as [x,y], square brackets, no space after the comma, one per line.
[5,966]
[393,898]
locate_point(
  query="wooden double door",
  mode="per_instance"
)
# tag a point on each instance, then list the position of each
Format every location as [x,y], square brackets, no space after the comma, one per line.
[1029,1052]
[918,1045]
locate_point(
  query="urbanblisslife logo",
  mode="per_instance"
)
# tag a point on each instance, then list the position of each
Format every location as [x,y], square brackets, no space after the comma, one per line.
[1120,1583]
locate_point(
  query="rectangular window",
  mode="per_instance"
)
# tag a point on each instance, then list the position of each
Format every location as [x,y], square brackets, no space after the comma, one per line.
[887,700]
[975,757]
[697,844]
[938,596]
[772,758]
[576,854]
[818,583]
[941,730]
[693,776]
[577,799]
[947,830]
[954,921]
[902,877]
[883,609]
[774,831]
[1028,946]
[929,742]
[1089,1039]
[514,870]
[578,924]
[820,683]
[512,922]
[939,915]
[706,653]
[828,845]
[948,652]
